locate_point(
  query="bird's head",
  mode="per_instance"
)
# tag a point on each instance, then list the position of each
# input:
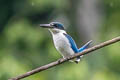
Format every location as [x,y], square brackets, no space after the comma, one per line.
[55,27]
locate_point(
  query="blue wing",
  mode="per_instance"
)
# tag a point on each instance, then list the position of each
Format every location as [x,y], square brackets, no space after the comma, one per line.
[74,47]
[72,42]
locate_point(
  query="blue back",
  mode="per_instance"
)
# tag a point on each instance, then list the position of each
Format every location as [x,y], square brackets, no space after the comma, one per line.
[72,42]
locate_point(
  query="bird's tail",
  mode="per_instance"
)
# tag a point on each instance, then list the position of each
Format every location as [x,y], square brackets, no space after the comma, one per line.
[78,59]
[81,49]
[85,46]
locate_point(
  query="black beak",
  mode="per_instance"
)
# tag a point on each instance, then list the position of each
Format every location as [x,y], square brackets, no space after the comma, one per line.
[46,26]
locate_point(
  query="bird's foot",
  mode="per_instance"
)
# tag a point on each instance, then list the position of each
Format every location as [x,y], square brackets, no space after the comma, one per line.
[59,60]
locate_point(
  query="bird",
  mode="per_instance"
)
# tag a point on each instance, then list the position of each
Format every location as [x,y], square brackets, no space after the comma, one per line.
[63,42]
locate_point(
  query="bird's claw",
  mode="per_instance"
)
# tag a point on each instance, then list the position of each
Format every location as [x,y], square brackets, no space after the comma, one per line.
[59,60]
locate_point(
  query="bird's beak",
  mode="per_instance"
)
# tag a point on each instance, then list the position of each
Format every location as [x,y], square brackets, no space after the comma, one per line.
[46,26]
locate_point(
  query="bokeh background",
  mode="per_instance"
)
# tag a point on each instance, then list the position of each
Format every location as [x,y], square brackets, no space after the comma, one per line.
[25,46]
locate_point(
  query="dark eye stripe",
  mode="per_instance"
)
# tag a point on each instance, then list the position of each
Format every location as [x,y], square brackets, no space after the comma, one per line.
[57,25]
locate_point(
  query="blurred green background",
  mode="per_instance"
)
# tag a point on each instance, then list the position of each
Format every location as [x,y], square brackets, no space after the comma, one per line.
[25,46]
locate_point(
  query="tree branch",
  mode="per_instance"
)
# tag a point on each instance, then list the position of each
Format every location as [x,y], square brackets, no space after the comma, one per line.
[45,67]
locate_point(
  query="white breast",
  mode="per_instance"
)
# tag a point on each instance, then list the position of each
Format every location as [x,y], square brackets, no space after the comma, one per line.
[62,44]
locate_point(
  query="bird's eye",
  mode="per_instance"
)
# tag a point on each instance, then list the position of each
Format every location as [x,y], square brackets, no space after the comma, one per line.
[54,25]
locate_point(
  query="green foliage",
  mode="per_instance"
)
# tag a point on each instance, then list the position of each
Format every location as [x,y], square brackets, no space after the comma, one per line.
[25,46]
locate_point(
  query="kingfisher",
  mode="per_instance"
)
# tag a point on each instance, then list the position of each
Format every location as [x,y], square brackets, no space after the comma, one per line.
[63,42]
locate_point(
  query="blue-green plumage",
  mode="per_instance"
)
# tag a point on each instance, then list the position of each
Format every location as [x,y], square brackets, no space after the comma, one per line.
[74,46]
[63,42]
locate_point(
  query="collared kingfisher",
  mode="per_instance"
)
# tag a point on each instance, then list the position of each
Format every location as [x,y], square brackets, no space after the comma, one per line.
[63,42]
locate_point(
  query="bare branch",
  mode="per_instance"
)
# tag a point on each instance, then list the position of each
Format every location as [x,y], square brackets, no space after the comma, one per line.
[45,67]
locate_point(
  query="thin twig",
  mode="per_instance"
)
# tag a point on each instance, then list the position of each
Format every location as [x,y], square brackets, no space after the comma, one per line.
[45,67]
